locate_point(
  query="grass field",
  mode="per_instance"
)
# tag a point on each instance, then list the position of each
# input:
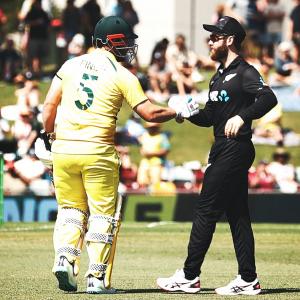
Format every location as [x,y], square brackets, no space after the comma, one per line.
[145,253]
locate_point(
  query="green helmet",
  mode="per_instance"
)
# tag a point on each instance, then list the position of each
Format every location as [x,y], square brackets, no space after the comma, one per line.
[116,33]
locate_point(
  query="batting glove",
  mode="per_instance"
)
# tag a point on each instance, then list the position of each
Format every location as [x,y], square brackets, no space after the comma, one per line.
[184,108]
[42,153]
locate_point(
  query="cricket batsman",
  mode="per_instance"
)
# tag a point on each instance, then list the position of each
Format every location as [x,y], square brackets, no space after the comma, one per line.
[89,91]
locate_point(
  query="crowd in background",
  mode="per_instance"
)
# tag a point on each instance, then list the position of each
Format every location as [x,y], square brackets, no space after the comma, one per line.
[173,69]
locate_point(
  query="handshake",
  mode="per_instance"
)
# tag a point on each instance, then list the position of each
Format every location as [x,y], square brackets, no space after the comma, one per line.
[184,108]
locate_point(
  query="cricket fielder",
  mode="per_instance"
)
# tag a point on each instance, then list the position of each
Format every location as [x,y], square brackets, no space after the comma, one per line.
[90,90]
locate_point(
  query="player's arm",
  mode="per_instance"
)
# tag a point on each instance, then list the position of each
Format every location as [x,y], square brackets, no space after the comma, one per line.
[265,98]
[51,103]
[205,116]
[154,113]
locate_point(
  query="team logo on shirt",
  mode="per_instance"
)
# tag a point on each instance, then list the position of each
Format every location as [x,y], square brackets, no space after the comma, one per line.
[228,77]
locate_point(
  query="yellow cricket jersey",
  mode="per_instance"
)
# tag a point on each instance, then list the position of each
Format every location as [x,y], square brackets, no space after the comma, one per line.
[93,88]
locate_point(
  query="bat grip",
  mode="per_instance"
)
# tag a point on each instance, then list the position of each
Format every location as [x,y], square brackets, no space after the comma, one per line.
[45,138]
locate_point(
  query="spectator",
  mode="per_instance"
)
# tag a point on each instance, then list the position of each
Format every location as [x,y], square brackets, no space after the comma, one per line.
[182,62]
[71,20]
[256,24]
[91,14]
[129,14]
[260,178]
[132,130]
[117,8]
[270,126]
[28,94]
[274,13]
[76,46]
[25,130]
[294,29]
[3,20]
[237,9]
[159,77]
[38,22]
[7,144]
[283,172]
[10,60]
[27,176]
[284,65]
[159,48]
[128,170]
[218,13]
[154,149]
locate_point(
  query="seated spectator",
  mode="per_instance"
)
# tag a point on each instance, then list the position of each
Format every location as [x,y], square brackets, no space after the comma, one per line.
[283,172]
[77,46]
[132,130]
[10,61]
[128,170]
[260,178]
[28,94]
[183,62]
[155,146]
[159,77]
[25,130]
[7,143]
[270,127]
[27,177]
[284,65]
[161,48]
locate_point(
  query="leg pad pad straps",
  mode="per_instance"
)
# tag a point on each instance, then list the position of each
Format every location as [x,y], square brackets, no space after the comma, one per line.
[101,229]
[69,232]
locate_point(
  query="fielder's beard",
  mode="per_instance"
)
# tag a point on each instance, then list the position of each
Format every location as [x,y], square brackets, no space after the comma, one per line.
[220,54]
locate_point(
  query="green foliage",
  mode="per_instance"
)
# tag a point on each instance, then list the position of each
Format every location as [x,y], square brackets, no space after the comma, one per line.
[142,255]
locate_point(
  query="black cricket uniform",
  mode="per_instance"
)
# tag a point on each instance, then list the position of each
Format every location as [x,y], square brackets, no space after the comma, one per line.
[237,90]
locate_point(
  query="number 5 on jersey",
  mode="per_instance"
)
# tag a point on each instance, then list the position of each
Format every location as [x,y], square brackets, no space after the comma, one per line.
[88,91]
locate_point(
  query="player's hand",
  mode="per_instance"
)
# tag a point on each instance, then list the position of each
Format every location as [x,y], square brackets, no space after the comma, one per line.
[233,126]
[184,108]
[42,153]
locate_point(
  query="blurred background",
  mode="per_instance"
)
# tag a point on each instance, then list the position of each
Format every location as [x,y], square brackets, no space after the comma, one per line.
[37,36]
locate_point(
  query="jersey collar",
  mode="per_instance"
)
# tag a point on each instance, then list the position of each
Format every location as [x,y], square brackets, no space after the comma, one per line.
[233,64]
[106,53]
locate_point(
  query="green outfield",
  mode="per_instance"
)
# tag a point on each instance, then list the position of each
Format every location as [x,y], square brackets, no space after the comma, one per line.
[145,252]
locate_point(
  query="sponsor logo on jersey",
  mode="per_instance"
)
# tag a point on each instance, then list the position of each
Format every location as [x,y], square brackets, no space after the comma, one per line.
[221,96]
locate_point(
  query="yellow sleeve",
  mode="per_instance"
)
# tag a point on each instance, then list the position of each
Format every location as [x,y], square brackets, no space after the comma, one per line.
[131,89]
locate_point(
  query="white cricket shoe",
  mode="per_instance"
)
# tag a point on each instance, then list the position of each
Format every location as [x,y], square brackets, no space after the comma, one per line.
[96,286]
[178,282]
[238,286]
[64,272]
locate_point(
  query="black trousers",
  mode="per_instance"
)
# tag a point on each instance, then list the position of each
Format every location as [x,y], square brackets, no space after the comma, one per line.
[225,189]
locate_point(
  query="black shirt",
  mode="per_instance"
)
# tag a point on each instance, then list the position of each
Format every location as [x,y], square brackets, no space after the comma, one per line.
[39,23]
[295,18]
[237,90]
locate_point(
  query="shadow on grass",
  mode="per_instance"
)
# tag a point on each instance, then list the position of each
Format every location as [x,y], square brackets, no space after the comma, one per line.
[159,291]
[280,291]
[203,291]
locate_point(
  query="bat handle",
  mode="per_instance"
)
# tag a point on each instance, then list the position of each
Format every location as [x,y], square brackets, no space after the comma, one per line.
[45,138]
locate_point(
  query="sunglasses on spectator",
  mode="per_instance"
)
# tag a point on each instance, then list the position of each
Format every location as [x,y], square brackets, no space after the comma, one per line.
[216,37]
